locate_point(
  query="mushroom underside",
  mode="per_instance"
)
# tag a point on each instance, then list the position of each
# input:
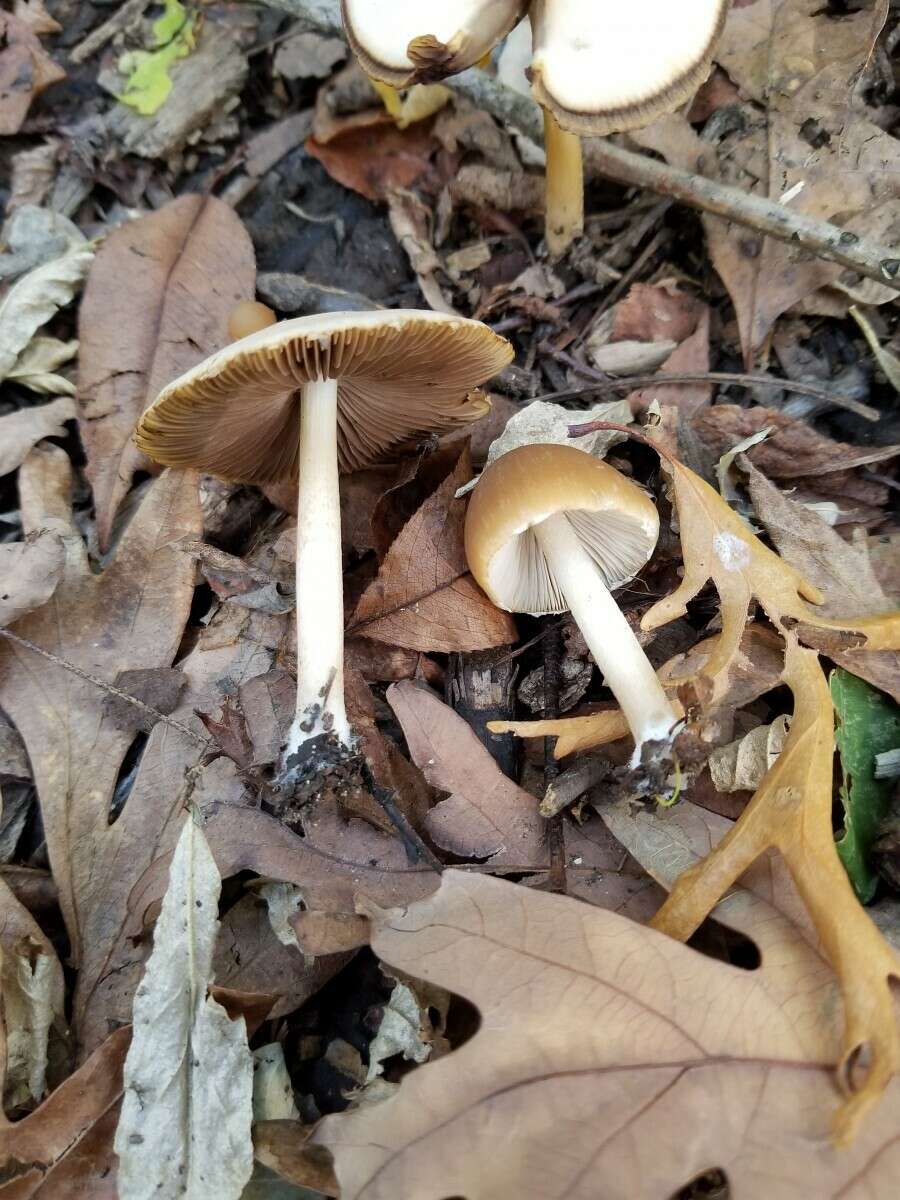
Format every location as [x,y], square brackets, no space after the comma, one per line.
[617,544]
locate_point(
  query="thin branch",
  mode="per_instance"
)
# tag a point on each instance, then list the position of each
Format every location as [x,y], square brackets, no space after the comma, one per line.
[863,255]
[632,383]
[110,688]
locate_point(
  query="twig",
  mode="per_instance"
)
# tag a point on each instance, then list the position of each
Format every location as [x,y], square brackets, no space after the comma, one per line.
[868,258]
[632,383]
[110,688]
[119,21]
[416,849]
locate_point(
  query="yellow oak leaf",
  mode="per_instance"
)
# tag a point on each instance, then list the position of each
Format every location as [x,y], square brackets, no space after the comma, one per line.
[791,812]
[717,545]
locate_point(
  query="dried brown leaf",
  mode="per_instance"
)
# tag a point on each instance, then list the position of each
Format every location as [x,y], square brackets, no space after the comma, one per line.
[130,615]
[25,68]
[21,430]
[486,814]
[64,1148]
[29,573]
[195,262]
[841,570]
[379,157]
[815,145]
[598,1036]
[424,597]
[794,449]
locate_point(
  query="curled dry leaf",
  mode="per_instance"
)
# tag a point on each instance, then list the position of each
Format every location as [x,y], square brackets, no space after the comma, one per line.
[184,1128]
[20,431]
[64,1148]
[741,765]
[33,1001]
[424,597]
[486,815]
[25,67]
[29,573]
[577,1035]
[842,570]
[791,812]
[135,340]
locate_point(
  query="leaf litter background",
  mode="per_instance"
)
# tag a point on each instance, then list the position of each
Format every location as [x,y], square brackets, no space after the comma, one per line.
[147,681]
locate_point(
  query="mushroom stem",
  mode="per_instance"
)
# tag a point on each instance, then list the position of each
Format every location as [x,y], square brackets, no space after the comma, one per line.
[320,586]
[610,639]
[564,186]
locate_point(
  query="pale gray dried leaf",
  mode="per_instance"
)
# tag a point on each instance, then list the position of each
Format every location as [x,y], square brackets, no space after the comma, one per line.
[35,368]
[29,573]
[32,236]
[13,759]
[32,993]
[405,1029]
[543,421]
[284,901]
[32,173]
[21,430]
[36,297]
[184,1128]
[309,56]
[273,1094]
[743,763]
[630,357]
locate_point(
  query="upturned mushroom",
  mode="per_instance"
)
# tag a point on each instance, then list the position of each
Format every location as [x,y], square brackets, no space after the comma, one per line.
[607,68]
[303,400]
[423,41]
[550,528]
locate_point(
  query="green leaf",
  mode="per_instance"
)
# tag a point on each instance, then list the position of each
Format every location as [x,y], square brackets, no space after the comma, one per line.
[868,724]
[148,85]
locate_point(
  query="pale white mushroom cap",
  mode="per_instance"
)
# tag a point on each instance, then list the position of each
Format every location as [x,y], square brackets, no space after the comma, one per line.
[615,520]
[402,42]
[603,67]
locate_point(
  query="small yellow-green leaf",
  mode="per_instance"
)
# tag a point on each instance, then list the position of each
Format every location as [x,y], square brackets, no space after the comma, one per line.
[148,83]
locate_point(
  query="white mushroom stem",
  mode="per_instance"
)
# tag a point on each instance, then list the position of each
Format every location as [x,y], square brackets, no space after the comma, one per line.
[563,186]
[610,639]
[320,588]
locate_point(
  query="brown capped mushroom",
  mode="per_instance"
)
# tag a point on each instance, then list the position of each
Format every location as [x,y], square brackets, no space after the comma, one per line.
[422,41]
[550,528]
[301,400]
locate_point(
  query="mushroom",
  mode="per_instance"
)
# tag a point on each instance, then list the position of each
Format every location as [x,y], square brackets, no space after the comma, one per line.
[249,317]
[550,528]
[422,41]
[301,400]
[606,68]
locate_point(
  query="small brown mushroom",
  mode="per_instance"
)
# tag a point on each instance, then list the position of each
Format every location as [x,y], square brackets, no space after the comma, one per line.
[301,400]
[550,528]
[423,41]
[249,317]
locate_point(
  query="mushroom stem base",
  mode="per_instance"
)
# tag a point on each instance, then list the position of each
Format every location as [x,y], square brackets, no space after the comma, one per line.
[610,639]
[320,712]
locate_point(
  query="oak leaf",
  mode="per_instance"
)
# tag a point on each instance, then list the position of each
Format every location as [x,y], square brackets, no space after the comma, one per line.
[791,812]
[135,340]
[130,615]
[606,1053]
[717,545]
[26,69]
[424,597]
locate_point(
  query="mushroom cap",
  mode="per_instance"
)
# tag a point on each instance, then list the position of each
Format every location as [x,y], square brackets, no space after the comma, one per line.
[421,41]
[402,374]
[615,520]
[247,317]
[603,68]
